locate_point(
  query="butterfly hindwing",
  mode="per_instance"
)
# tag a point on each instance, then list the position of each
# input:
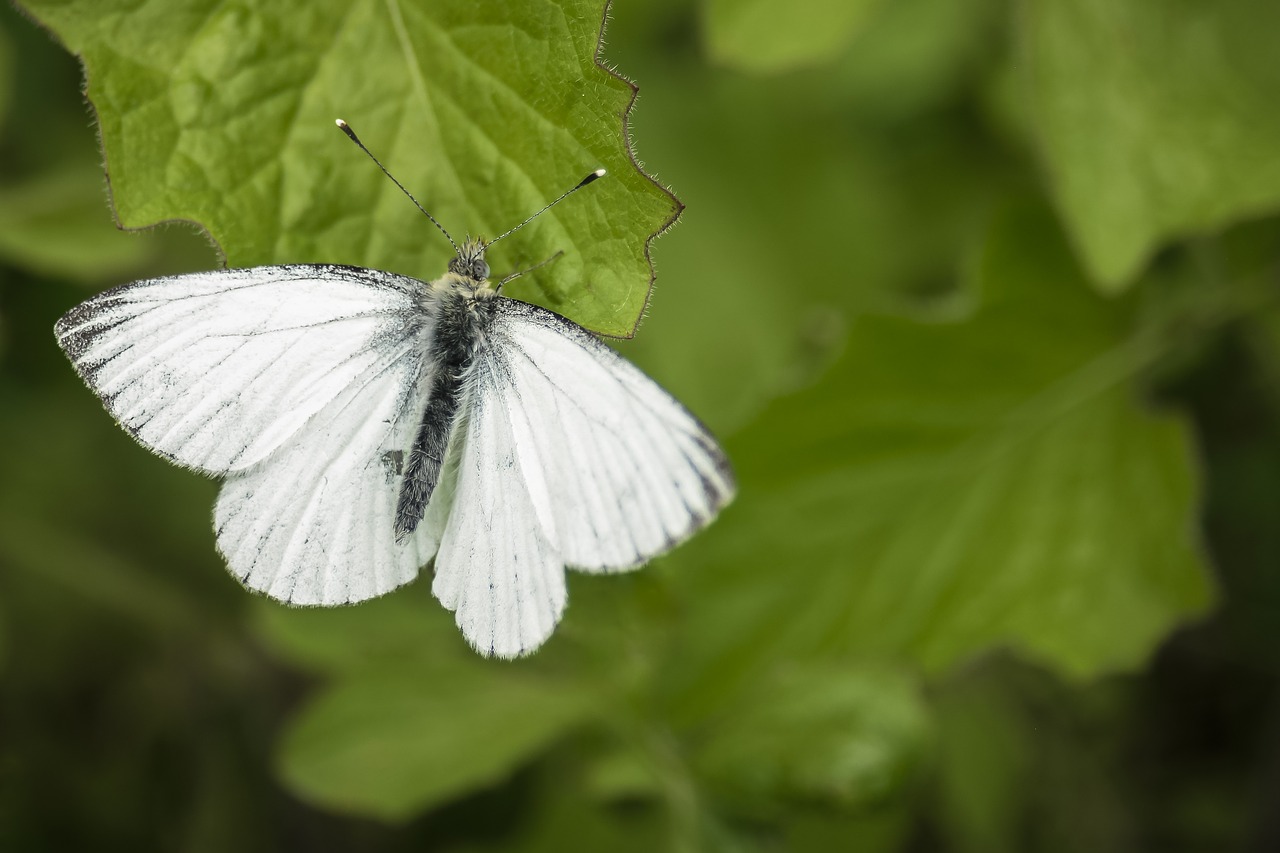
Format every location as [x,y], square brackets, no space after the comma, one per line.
[314,523]
[497,568]
[628,472]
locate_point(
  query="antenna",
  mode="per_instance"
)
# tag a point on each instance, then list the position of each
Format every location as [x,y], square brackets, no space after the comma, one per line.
[598,173]
[346,128]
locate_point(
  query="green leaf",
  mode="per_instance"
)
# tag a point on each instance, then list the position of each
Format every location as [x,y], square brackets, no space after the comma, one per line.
[1156,119]
[392,742]
[953,488]
[779,35]
[837,736]
[412,718]
[224,115]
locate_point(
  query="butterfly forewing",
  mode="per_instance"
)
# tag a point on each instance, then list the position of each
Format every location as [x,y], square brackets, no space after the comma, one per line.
[217,370]
[628,472]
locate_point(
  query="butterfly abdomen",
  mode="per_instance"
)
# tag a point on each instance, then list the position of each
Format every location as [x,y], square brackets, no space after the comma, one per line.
[462,320]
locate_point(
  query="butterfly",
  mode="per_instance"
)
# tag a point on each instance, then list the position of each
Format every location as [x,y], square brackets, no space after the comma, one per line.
[365,424]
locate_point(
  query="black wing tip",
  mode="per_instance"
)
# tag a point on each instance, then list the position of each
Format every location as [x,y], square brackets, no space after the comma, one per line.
[724,468]
[62,324]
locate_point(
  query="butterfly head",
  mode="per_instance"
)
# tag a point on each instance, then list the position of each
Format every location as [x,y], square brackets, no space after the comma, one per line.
[470,263]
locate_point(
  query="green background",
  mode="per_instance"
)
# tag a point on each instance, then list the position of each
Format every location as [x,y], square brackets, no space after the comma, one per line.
[981,298]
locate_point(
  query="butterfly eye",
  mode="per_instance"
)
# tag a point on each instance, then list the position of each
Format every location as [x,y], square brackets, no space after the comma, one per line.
[479,269]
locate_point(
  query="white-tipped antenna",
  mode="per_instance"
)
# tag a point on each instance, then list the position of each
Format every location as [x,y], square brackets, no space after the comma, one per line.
[598,173]
[346,128]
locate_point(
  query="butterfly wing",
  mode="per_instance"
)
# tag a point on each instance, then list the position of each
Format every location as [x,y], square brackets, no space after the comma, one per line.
[626,471]
[314,524]
[301,385]
[496,568]
[570,456]
[217,370]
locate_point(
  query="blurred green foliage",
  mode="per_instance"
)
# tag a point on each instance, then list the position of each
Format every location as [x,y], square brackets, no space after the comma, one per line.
[770,36]
[1154,119]
[981,297]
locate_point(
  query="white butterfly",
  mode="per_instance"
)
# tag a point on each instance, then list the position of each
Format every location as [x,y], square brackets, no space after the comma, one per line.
[365,423]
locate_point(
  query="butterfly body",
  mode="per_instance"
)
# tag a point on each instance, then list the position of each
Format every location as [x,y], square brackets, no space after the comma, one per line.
[463,305]
[367,424]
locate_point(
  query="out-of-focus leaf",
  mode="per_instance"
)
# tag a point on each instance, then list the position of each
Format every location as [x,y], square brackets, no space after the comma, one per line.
[393,742]
[1156,118]
[791,232]
[224,115]
[889,59]
[837,736]
[911,54]
[779,35]
[57,224]
[623,773]
[952,488]
[983,772]
[413,717]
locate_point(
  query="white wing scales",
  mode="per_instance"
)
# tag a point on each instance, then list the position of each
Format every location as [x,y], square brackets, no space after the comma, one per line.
[298,384]
[304,387]
[314,523]
[217,370]
[497,569]
[574,457]
[629,473]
